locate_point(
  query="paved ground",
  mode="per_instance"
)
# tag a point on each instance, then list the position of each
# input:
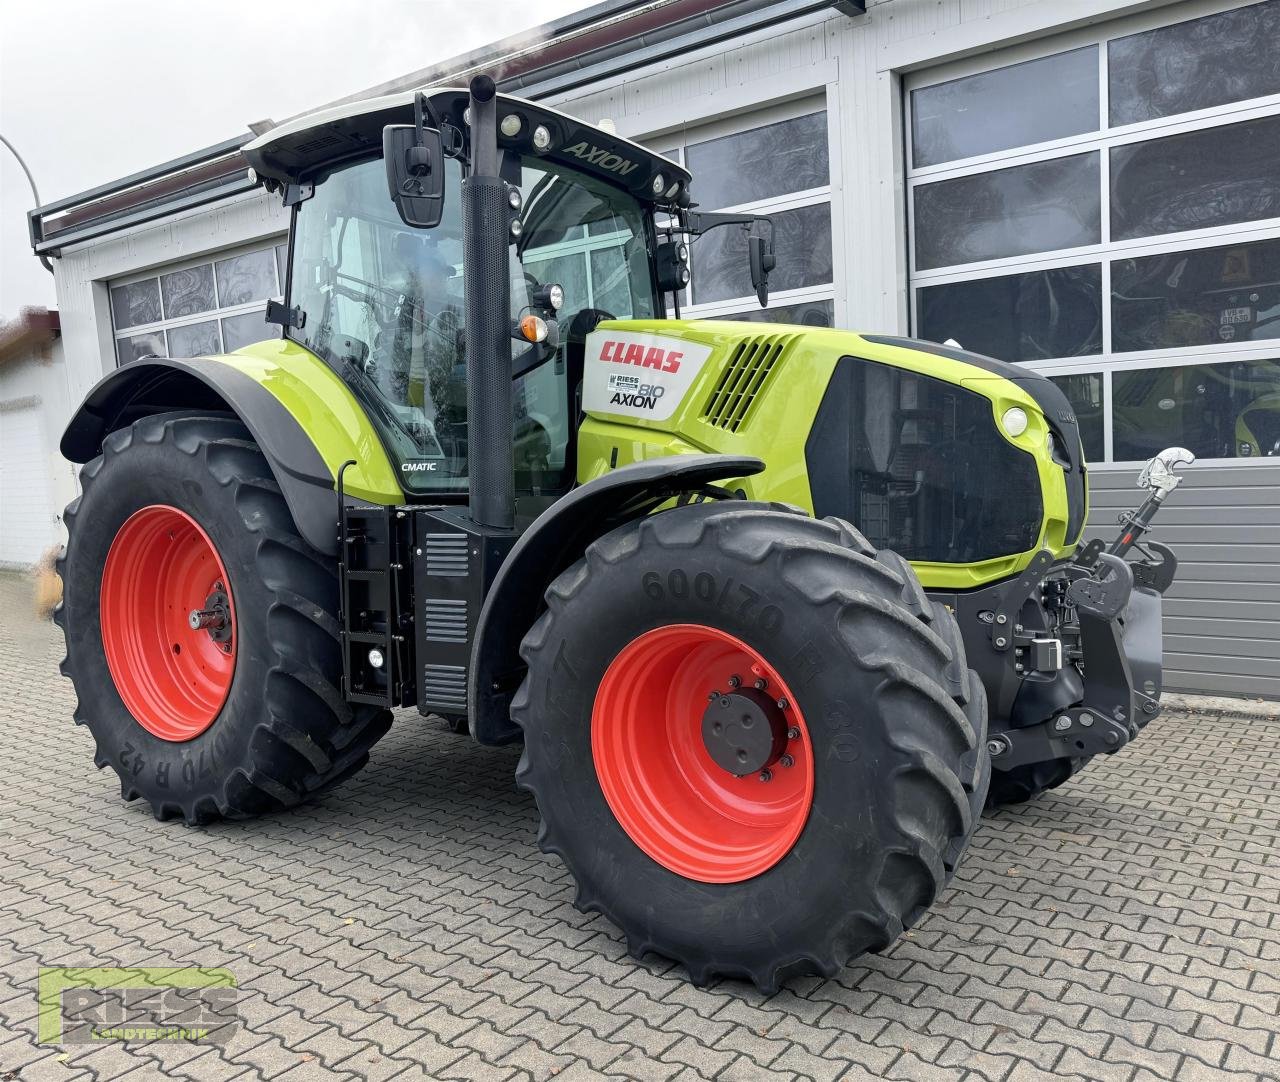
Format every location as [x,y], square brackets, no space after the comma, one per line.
[1126,927]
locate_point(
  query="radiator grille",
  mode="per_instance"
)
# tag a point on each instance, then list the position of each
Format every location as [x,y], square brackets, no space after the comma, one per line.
[445,687]
[446,554]
[730,405]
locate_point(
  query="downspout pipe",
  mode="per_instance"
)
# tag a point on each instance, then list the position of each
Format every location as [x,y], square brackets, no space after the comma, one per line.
[44,259]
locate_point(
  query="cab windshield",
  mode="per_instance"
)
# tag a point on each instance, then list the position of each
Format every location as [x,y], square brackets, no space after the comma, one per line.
[383,304]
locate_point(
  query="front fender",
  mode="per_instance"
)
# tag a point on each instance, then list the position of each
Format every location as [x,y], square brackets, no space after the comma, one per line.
[556,540]
[303,417]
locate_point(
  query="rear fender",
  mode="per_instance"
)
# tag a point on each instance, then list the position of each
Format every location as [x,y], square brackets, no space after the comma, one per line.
[556,540]
[272,388]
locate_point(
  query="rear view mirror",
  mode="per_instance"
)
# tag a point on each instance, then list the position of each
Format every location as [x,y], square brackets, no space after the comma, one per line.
[414,157]
[760,251]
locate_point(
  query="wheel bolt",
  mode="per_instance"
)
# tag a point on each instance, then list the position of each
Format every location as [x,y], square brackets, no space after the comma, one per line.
[793,733]
[782,704]
[735,681]
[786,760]
[761,684]
[713,696]
[766,775]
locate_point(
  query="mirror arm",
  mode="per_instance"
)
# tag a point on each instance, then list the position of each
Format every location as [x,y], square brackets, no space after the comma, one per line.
[698,222]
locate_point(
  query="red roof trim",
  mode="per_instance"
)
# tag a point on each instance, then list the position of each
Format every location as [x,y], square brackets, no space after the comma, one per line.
[33,329]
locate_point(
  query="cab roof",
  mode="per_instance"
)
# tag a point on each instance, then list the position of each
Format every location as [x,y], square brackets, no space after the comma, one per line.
[301,149]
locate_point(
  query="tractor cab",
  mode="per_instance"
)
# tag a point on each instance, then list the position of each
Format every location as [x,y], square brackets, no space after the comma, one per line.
[377,290]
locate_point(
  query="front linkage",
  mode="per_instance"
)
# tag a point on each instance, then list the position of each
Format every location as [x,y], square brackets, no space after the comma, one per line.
[1073,650]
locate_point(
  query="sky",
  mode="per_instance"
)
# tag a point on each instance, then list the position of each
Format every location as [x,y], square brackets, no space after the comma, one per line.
[91,91]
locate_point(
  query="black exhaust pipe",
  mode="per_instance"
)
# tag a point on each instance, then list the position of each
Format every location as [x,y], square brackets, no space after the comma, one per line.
[485,224]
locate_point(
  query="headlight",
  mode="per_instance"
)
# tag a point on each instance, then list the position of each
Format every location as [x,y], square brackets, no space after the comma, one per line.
[1014,421]
[511,125]
[541,138]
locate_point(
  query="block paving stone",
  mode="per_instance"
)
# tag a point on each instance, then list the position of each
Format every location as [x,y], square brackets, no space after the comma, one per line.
[1125,926]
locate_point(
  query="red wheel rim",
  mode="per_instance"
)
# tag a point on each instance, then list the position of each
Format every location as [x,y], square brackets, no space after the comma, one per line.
[161,566]
[674,801]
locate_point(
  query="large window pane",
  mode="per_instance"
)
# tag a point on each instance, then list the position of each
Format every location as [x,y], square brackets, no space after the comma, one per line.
[187,292]
[135,304]
[1201,179]
[1084,392]
[244,330]
[195,339]
[1228,410]
[245,278]
[1006,212]
[790,156]
[1196,64]
[803,245]
[141,345]
[804,314]
[1225,294]
[1019,317]
[1006,108]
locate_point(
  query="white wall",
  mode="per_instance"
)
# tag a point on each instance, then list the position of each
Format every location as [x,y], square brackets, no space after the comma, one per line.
[36,483]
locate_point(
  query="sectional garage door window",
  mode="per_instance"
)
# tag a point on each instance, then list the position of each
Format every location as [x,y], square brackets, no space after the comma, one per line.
[1105,209]
[194,309]
[776,163]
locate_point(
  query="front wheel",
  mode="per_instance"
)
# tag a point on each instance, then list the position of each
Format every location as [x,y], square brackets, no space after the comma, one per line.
[753,739]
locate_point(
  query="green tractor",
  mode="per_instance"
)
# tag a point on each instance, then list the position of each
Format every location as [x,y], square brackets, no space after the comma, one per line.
[776,611]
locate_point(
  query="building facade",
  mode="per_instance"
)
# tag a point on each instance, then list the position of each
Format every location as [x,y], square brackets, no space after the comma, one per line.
[1086,188]
[35,481]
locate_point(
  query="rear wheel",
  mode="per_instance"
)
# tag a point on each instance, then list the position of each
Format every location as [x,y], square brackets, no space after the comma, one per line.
[201,630]
[753,739]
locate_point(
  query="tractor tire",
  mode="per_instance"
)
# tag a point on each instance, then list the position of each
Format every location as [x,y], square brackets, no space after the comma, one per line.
[1024,783]
[180,512]
[687,649]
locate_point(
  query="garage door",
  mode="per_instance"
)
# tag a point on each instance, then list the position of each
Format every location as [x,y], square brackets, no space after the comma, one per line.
[1120,234]
[27,522]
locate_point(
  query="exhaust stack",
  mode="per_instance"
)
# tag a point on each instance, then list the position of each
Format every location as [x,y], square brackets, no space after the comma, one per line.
[487,285]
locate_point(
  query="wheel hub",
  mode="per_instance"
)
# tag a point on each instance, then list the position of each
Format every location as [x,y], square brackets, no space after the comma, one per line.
[744,731]
[214,617]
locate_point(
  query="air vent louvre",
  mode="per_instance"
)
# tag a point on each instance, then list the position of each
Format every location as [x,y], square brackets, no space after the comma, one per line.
[444,620]
[446,554]
[731,404]
[445,686]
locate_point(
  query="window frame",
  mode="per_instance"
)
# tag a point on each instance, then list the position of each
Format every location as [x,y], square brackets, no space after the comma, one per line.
[215,314]
[674,144]
[1104,253]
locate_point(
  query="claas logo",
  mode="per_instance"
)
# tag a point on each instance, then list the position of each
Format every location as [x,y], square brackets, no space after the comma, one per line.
[619,352]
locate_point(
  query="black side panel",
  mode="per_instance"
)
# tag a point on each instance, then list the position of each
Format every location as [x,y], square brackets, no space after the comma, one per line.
[160,385]
[454,563]
[550,545]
